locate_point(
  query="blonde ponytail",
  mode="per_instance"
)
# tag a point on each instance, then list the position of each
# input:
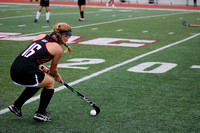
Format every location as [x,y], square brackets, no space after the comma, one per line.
[69,49]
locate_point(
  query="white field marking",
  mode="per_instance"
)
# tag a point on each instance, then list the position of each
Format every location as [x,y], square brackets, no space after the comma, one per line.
[94,28]
[108,69]
[120,30]
[170,33]
[45,26]
[113,21]
[22,25]
[25,38]
[19,9]
[195,66]
[125,10]
[6,35]
[17,17]
[5,6]
[193,33]
[145,31]
[108,10]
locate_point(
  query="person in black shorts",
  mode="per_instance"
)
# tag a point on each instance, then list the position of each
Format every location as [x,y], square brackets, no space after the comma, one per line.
[26,69]
[195,3]
[81,5]
[43,3]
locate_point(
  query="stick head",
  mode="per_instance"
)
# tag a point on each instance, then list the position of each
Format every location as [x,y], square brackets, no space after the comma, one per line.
[97,109]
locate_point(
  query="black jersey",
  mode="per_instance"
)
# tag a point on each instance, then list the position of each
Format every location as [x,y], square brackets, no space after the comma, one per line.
[25,66]
[37,52]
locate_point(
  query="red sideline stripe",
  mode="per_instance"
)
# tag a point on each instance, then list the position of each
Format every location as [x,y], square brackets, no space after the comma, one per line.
[103,4]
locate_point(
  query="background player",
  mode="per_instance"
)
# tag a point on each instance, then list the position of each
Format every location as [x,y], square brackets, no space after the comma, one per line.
[81,5]
[43,3]
[110,2]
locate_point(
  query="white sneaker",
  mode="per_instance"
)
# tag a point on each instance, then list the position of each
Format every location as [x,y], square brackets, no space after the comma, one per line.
[40,117]
[15,110]
[113,5]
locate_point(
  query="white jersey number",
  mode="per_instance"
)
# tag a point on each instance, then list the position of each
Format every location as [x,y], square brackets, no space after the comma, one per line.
[31,50]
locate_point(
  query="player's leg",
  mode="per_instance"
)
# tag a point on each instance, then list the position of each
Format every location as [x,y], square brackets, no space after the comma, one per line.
[81,8]
[48,90]
[25,95]
[47,14]
[38,13]
[30,81]
[107,4]
[112,1]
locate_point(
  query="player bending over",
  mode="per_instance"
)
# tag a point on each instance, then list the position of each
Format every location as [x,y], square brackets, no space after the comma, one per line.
[25,70]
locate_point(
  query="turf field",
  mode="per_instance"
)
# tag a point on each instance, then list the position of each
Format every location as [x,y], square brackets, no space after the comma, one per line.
[140,66]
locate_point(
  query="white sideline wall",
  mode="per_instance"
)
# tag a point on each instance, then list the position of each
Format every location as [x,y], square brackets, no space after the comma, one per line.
[146,2]
[159,2]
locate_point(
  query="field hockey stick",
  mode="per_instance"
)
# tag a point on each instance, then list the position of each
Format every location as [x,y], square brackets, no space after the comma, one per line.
[77,93]
[190,25]
[83,97]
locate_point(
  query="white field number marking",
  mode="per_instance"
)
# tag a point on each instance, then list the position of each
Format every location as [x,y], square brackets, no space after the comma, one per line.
[80,61]
[118,42]
[162,68]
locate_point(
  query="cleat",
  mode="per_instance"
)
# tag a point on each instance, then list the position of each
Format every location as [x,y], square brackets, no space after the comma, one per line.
[47,21]
[14,110]
[40,117]
[81,19]
[35,21]
[106,4]
[113,5]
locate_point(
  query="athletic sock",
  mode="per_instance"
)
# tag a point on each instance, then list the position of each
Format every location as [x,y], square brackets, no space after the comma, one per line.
[25,95]
[38,15]
[47,15]
[45,98]
[82,14]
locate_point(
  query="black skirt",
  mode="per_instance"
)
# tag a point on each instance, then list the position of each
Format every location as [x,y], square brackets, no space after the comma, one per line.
[24,72]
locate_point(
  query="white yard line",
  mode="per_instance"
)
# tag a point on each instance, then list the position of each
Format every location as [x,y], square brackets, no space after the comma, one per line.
[118,20]
[108,69]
